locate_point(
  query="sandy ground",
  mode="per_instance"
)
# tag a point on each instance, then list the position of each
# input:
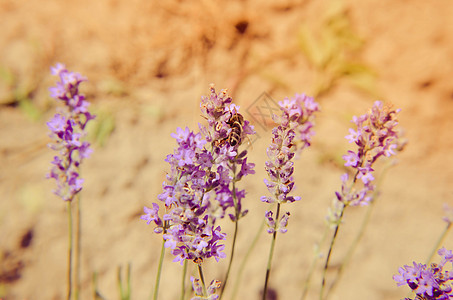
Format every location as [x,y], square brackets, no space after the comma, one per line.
[148,64]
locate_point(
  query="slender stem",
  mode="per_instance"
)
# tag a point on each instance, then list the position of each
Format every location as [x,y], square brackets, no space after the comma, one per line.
[271,254]
[183,281]
[78,247]
[352,247]
[94,282]
[231,258]
[362,229]
[439,242]
[245,259]
[332,242]
[120,283]
[313,263]
[236,226]
[69,278]
[128,275]
[159,270]
[125,295]
[200,271]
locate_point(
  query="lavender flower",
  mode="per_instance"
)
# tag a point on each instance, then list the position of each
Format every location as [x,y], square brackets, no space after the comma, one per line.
[375,137]
[188,228]
[226,131]
[429,283]
[68,128]
[200,186]
[293,133]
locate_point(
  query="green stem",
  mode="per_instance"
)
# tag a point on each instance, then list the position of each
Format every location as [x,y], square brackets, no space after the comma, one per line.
[245,259]
[231,258]
[183,281]
[353,246]
[236,227]
[332,242]
[120,283]
[313,264]
[233,246]
[128,281]
[69,275]
[363,227]
[96,294]
[159,270]
[200,272]
[78,246]
[125,295]
[439,242]
[271,254]
[94,282]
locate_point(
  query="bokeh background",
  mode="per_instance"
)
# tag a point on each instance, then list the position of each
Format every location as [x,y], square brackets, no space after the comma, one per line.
[149,62]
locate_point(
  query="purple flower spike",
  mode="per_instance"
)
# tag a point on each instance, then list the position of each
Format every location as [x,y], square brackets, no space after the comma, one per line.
[428,283]
[189,225]
[375,136]
[200,186]
[293,133]
[67,130]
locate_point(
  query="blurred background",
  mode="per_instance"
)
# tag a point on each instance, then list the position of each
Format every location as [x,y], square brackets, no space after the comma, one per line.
[149,62]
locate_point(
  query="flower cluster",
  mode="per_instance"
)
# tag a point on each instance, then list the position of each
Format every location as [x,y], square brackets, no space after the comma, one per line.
[293,133]
[226,131]
[187,226]
[375,137]
[68,128]
[429,283]
[200,186]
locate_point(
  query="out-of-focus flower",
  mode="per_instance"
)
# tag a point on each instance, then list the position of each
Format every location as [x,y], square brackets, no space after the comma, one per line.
[448,213]
[68,128]
[428,283]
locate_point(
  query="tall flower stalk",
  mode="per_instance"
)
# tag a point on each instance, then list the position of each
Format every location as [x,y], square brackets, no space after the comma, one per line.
[68,128]
[228,129]
[293,133]
[374,137]
[201,186]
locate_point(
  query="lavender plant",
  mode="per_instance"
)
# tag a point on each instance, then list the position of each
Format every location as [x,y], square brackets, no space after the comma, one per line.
[429,283]
[201,187]
[375,137]
[293,133]
[68,128]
